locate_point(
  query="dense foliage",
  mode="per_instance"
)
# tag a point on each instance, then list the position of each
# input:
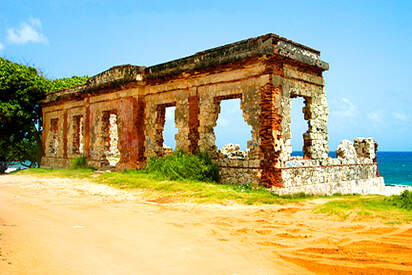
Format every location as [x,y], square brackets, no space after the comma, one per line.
[65,83]
[179,165]
[403,200]
[21,88]
[79,163]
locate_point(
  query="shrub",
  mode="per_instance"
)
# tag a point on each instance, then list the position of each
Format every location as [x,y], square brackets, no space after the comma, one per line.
[180,165]
[403,200]
[79,162]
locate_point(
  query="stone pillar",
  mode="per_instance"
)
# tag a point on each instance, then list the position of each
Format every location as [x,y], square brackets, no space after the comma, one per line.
[270,134]
[65,134]
[86,133]
[194,110]
[129,135]
[250,106]
[209,111]
[316,138]
[182,122]
[140,130]
[151,147]
[98,131]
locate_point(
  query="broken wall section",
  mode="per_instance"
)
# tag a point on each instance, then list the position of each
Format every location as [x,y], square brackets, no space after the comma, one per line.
[54,140]
[353,171]
[308,85]
[129,138]
[155,117]
[233,171]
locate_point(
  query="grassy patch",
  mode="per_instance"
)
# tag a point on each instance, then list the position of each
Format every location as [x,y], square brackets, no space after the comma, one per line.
[61,173]
[403,200]
[79,163]
[367,207]
[180,166]
[156,187]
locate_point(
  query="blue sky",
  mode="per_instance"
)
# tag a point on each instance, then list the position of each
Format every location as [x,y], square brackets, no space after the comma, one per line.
[368,45]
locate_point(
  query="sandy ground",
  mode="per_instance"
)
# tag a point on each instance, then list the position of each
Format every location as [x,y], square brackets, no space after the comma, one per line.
[61,226]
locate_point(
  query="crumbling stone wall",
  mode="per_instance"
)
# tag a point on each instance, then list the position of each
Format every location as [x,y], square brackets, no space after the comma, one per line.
[309,85]
[350,172]
[75,131]
[264,72]
[155,120]
[54,136]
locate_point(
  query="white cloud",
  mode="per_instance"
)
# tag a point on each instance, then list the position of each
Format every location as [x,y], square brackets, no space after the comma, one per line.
[400,116]
[27,32]
[375,117]
[345,108]
[1,46]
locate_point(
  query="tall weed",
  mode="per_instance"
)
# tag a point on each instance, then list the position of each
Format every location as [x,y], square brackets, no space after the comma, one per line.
[180,165]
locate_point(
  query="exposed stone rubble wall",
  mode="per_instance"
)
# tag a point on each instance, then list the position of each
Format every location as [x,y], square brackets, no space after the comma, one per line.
[232,151]
[122,112]
[346,150]
[374,185]
[365,147]
[350,172]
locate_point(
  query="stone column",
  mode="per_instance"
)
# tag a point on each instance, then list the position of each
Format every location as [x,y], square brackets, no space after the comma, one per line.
[65,138]
[209,111]
[86,133]
[98,128]
[155,120]
[129,136]
[140,129]
[316,138]
[270,134]
[194,110]
[182,122]
[251,109]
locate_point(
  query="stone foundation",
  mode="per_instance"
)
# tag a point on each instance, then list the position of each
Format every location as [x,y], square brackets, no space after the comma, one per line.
[362,186]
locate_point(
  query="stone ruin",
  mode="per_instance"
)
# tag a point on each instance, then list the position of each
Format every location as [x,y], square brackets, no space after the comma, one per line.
[121,113]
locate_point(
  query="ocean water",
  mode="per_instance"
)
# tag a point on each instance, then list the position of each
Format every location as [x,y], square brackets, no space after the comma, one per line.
[395,167]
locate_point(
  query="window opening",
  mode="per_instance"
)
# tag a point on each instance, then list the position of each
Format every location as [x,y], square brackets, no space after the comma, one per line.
[231,130]
[54,141]
[111,137]
[78,135]
[169,130]
[298,125]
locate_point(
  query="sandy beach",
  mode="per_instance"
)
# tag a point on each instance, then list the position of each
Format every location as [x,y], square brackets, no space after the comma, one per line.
[63,226]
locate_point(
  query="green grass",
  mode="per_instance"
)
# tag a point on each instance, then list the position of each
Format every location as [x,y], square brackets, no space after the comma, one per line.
[156,187]
[180,166]
[367,207]
[61,173]
[79,163]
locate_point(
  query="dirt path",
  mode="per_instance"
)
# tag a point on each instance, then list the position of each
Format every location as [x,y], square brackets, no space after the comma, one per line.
[60,226]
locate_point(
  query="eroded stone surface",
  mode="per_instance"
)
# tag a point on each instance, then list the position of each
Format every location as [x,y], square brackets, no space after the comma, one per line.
[346,150]
[121,112]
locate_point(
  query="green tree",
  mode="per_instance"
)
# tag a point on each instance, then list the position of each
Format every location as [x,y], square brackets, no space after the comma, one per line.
[21,89]
[69,82]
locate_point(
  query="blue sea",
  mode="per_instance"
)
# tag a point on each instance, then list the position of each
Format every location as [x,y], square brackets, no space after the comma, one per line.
[395,167]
